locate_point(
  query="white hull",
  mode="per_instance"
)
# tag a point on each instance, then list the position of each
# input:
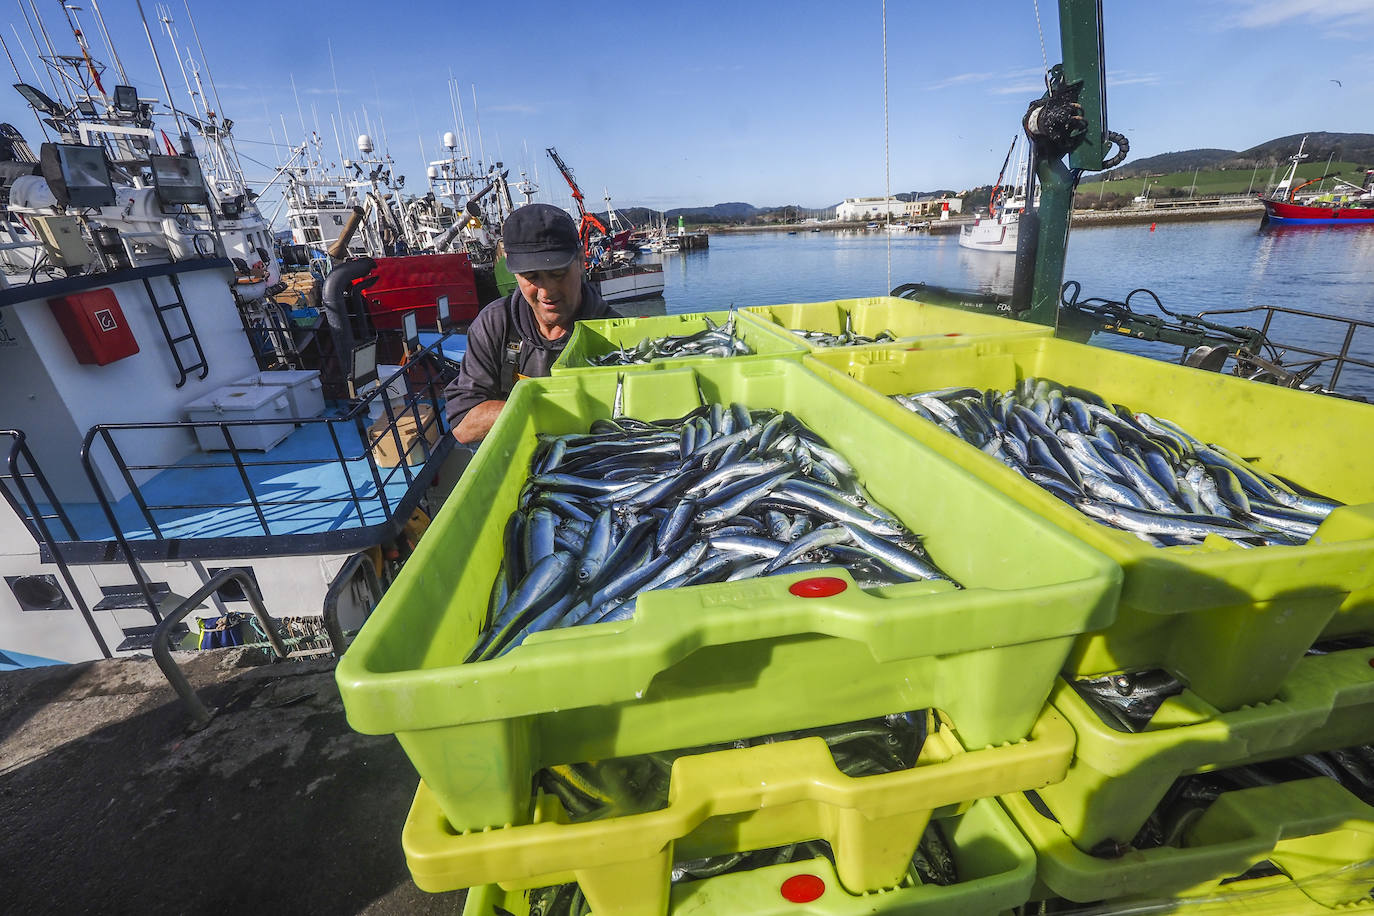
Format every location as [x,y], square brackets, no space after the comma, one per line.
[638,282]
[291,586]
[56,399]
[990,235]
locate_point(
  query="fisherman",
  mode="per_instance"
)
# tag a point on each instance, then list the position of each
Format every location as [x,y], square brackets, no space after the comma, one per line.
[521,335]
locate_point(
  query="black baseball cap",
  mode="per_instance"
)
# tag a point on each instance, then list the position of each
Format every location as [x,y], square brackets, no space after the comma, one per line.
[540,237]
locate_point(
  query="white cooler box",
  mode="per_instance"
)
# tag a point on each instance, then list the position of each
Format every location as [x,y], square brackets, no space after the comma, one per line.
[242,404]
[303,388]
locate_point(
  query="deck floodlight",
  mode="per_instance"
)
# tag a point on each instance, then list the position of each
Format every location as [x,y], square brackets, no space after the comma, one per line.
[38,100]
[78,176]
[126,99]
[179,180]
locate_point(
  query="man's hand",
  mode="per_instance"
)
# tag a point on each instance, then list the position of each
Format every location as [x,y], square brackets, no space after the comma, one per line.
[478,422]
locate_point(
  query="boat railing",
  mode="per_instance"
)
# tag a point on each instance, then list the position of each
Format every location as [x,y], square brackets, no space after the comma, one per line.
[351,448]
[1312,364]
[162,651]
[18,475]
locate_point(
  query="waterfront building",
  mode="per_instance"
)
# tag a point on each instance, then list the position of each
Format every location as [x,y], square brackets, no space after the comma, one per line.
[859,209]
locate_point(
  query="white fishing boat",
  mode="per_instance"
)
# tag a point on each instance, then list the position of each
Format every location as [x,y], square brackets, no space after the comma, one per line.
[148,439]
[998,230]
[608,255]
[627,282]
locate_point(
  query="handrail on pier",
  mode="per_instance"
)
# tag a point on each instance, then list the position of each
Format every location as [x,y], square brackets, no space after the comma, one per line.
[347,573]
[162,653]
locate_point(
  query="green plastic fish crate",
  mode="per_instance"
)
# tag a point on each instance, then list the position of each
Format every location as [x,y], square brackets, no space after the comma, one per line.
[1313,830]
[597,338]
[995,866]
[731,801]
[1231,622]
[916,324]
[1117,778]
[713,663]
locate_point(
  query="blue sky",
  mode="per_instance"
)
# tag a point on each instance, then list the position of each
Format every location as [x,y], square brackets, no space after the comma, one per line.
[766,102]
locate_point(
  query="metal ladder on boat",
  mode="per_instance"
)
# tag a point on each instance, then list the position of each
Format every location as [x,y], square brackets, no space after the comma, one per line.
[174,342]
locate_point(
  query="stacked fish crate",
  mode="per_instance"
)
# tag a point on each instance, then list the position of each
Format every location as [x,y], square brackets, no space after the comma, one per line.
[714,624]
[1223,722]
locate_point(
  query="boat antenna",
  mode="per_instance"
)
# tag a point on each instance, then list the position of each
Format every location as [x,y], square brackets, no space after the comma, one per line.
[204,61]
[463,129]
[477,113]
[37,77]
[300,112]
[20,77]
[52,52]
[381,118]
[338,105]
[164,16]
[887,156]
[109,45]
[157,62]
[337,142]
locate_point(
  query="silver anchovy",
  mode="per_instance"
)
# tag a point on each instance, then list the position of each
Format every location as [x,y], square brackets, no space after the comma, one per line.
[1130,470]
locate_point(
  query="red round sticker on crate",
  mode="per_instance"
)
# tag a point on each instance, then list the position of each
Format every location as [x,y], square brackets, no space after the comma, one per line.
[802,888]
[818,587]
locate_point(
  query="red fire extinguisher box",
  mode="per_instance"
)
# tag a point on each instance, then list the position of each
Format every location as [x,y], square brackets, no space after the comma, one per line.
[95,326]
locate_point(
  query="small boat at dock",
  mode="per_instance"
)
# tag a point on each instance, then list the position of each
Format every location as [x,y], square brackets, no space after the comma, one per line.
[999,230]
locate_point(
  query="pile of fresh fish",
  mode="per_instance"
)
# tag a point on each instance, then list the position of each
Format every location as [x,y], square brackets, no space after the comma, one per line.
[932,863]
[723,493]
[1132,471]
[1128,701]
[713,340]
[846,337]
[631,785]
[843,339]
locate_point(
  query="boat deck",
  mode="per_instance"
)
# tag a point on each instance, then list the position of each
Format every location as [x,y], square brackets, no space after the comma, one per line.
[204,495]
[322,486]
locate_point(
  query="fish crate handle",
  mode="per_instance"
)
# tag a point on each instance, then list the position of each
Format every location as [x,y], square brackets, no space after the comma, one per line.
[1307,827]
[766,608]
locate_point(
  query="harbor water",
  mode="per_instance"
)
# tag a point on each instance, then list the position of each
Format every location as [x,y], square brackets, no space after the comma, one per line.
[1192,267]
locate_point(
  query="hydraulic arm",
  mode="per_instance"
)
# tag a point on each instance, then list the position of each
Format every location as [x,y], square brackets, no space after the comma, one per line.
[589,221]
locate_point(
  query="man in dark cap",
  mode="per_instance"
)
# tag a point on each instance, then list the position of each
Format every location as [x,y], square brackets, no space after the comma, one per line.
[521,335]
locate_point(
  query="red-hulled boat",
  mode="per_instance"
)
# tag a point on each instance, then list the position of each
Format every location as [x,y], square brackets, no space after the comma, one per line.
[1345,204]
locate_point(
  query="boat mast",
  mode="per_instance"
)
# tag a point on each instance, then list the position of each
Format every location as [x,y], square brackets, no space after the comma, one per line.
[109,45]
[157,62]
[992,198]
[1285,187]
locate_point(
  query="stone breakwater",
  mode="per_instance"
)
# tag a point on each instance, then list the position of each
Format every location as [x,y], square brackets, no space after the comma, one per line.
[1125,217]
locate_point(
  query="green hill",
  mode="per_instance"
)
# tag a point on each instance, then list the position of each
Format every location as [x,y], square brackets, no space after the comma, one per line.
[1211,172]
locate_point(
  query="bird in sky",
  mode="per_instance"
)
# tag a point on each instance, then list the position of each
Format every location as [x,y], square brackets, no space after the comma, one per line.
[1338,83]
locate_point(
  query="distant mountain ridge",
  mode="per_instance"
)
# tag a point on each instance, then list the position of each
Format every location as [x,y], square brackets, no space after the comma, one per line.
[1320,145]
[1345,147]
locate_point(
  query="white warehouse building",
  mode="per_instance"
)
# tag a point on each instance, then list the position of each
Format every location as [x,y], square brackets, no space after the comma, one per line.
[856,209]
